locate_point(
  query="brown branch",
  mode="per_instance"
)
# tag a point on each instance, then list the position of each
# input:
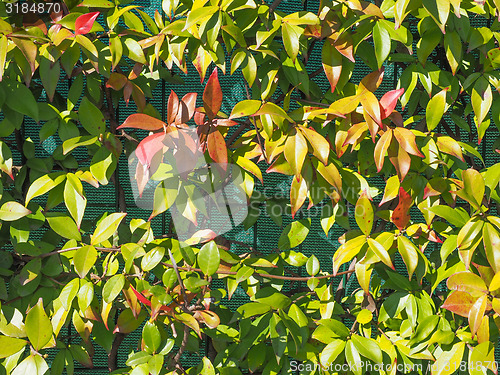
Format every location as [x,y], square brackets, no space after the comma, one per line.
[182,348]
[219,272]
[113,354]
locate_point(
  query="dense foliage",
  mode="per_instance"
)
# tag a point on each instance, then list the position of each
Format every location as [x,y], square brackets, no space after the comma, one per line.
[111,276]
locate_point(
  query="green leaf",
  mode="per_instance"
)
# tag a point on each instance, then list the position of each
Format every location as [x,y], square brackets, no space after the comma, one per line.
[330,353]
[291,35]
[68,293]
[113,287]
[74,198]
[491,240]
[11,211]
[481,99]
[312,265]
[353,358]
[364,214]
[381,252]
[91,117]
[482,359]
[447,362]
[409,253]
[49,75]
[294,234]
[271,297]
[84,259]
[38,326]
[22,100]
[33,365]
[103,165]
[209,258]
[245,108]
[106,228]
[10,345]
[435,109]
[347,251]
[382,41]
[135,51]
[151,336]
[63,225]
[152,258]
[368,348]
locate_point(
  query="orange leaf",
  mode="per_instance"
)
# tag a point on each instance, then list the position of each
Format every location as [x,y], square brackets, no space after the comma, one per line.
[344,45]
[459,303]
[401,161]
[298,194]
[217,147]
[389,100]
[84,23]
[406,140]
[187,106]
[400,215]
[212,95]
[142,121]
[116,81]
[381,149]
[332,63]
[372,81]
[172,107]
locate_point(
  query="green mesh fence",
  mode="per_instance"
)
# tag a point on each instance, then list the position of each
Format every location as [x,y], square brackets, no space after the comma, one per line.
[265,233]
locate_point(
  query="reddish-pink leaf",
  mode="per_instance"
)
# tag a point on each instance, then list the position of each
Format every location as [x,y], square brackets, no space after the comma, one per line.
[199,117]
[459,303]
[217,148]
[84,23]
[187,106]
[142,121]
[388,102]
[225,122]
[172,107]
[212,96]
[400,215]
[148,147]
[116,81]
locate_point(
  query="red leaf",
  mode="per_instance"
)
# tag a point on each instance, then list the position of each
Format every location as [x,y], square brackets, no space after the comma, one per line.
[187,106]
[140,297]
[145,301]
[84,23]
[400,215]
[217,148]
[388,102]
[172,107]
[212,96]
[142,121]
[148,147]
